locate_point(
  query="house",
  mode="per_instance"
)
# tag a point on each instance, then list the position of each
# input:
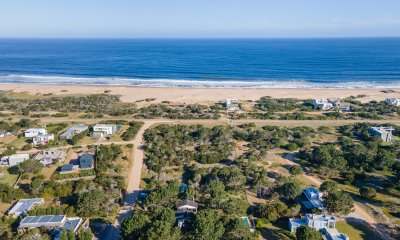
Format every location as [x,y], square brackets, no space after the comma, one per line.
[314,197]
[232,105]
[56,222]
[187,206]
[33,132]
[48,156]
[345,108]
[71,224]
[14,159]
[323,223]
[393,101]
[42,139]
[385,133]
[67,168]
[24,205]
[86,161]
[74,130]
[185,210]
[106,129]
[323,104]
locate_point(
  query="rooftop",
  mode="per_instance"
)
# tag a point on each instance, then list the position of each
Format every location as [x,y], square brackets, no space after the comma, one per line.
[42,221]
[187,202]
[86,161]
[67,168]
[382,129]
[24,205]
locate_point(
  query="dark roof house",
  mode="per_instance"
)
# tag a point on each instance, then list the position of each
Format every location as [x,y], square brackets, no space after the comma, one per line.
[67,168]
[86,161]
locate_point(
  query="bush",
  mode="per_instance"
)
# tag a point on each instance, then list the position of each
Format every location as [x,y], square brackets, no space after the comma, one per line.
[26,147]
[367,192]
[131,132]
[296,170]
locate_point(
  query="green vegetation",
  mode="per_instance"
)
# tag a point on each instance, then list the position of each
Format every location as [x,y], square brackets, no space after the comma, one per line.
[131,132]
[307,233]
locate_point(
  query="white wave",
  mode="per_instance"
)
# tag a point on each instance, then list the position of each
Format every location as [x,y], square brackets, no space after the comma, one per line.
[181,83]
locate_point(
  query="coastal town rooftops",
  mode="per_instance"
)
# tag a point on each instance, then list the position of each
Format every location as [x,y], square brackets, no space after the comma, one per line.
[25,205]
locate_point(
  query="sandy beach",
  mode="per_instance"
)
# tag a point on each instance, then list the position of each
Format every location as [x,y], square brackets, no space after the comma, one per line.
[200,95]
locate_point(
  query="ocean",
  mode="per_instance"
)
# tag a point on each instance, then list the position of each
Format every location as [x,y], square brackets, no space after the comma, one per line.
[250,63]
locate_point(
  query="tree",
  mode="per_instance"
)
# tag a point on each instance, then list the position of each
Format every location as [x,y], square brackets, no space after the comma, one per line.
[207,226]
[89,202]
[367,192]
[385,159]
[216,189]
[85,234]
[272,211]
[36,184]
[237,229]
[30,166]
[307,233]
[132,227]
[328,186]
[296,170]
[190,193]
[290,189]
[163,227]
[339,202]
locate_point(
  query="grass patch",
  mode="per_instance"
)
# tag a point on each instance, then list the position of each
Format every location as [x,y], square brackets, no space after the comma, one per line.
[357,231]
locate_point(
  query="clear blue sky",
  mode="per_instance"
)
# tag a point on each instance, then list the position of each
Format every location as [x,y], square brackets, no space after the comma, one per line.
[199,18]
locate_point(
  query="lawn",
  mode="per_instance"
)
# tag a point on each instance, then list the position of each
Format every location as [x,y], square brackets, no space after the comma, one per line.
[271,232]
[357,231]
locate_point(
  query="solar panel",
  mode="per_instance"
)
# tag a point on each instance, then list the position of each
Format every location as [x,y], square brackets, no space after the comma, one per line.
[46,219]
[57,218]
[35,219]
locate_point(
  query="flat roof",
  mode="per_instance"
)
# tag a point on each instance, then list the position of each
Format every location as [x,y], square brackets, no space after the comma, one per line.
[39,221]
[86,160]
[67,168]
[24,205]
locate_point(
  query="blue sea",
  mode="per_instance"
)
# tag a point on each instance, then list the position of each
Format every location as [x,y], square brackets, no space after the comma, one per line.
[251,63]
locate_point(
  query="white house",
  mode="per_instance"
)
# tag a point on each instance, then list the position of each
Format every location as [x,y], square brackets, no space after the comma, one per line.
[24,205]
[107,129]
[323,223]
[42,139]
[325,104]
[72,131]
[33,132]
[232,105]
[314,197]
[14,159]
[385,133]
[393,101]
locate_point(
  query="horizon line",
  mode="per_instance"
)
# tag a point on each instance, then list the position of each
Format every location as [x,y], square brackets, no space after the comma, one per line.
[195,38]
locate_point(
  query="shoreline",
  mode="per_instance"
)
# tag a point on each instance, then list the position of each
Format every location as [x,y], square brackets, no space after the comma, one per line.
[199,95]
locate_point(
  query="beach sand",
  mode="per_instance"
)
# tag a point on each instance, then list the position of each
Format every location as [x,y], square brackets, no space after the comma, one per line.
[200,95]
